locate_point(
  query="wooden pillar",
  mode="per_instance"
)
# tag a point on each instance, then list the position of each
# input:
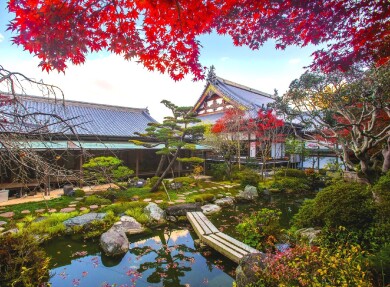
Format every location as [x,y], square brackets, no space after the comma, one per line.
[81,169]
[137,162]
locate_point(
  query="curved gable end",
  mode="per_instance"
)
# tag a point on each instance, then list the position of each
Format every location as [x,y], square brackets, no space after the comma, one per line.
[221,94]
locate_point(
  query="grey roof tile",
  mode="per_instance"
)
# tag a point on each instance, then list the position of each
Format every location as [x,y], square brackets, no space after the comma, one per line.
[250,98]
[87,118]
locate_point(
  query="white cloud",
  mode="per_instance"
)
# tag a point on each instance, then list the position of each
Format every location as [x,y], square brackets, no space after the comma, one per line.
[113,81]
[1,38]
[294,61]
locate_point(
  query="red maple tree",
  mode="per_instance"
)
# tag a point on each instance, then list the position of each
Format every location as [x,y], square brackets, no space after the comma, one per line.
[163,34]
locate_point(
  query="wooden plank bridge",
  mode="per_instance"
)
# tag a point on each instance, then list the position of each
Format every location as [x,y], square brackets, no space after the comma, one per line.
[224,244]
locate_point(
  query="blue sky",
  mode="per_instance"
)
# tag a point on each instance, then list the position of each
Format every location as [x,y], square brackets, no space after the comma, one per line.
[108,79]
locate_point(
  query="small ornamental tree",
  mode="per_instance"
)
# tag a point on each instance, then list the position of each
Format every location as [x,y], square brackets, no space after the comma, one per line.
[268,130]
[175,133]
[230,131]
[350,112]
[164,35]
[106,169]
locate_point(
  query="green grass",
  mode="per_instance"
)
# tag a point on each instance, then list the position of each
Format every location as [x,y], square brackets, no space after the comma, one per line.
[57,203]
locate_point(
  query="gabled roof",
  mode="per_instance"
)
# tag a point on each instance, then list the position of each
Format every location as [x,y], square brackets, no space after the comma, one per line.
[238,95]
[248,97]
[87,119]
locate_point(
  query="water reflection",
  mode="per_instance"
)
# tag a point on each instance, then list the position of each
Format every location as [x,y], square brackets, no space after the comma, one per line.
[169,258]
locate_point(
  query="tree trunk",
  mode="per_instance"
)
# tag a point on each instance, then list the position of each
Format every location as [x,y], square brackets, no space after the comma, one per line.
[160,165]
[386,156]
[347,162]
[156,185]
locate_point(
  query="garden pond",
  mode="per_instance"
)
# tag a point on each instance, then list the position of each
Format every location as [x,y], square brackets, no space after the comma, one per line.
[165,257]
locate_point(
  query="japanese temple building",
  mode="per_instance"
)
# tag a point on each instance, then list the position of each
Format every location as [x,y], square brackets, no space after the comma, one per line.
[219,95]
[89,129]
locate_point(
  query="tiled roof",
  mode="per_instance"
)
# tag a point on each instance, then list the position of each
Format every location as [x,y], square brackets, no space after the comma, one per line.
[248,97]
[86,118]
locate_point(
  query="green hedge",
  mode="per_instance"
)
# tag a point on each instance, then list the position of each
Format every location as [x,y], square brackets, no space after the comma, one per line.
[291,185]
[341,204]
[290,172]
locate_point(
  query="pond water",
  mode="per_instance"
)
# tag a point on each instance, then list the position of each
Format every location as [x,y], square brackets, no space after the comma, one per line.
[165,257]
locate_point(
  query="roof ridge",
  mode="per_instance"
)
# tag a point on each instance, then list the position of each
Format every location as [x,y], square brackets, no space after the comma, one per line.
[81,103]
[240,86]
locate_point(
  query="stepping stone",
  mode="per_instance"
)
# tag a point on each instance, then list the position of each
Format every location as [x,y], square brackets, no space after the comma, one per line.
[3,223]
[180,200]
[25,211]
[214,187]
[74,202]
[147,200]
[2,229]
[93,207]
[52,210]
[79,198]
[208,188]
[83,208]
[171,202]
[72,205]
[68,209]
[228,193]
[187,193]
[40,210]
[8,214]
[202,190]
[159,201]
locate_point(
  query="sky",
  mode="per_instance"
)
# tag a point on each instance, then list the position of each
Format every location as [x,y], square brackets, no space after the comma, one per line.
[109,79]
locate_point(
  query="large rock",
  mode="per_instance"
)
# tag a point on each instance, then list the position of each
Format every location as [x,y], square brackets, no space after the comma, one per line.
[154,212]
[226,201]
[249,194]
[84,219]
[182,209]
[114,242]
[248,269]
[128,225]
[210,208]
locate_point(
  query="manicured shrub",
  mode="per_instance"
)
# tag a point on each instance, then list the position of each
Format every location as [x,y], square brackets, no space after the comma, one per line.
[79,193]
[290,172]
[306,216]
[261,229]
[341,204]
[205,197]
[110,194]
[219,171]
[105,169]
[96,200]
[291,185]
[247,176]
